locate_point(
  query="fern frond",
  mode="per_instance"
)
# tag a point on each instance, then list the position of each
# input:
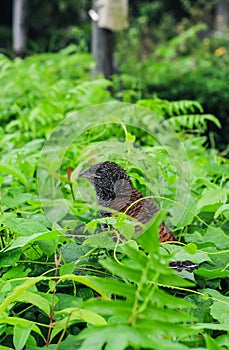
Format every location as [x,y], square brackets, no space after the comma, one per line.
[192,121]
[156,104]
[163,107]
[183,107]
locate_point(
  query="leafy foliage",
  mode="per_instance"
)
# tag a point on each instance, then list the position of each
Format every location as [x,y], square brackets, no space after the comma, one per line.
[60,291]
[177,111]
[185,67]
[39,92]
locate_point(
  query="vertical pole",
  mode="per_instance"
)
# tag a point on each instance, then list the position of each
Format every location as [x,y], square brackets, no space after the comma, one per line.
[102,49]
[222,17]
[19,26]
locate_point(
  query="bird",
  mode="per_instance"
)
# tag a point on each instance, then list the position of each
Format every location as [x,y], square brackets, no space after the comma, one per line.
[114,190]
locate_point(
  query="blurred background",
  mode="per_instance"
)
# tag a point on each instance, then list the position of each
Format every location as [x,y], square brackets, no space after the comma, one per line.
[58,59]
[171,49]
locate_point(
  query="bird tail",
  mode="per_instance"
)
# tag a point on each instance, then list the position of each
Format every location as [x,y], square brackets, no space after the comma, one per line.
[166,235]
[183,265]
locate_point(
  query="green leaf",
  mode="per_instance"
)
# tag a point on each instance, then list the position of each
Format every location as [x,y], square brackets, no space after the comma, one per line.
[73,252]
[69,343]
[191,121]
[24,227]
[91,226]
[126,272]
[220,307]
[9,258]
[14,197]
[66,300]
[34,299]
[118,308]
[125,229]
[216,169]
[149,239]
[223,340]
[100,240]
[222,209]
[21,242]
[111,286]
[88,281]
[216,295]
[48,247]
[212,273]
[80,314]
[211,197]
[8,169]
[14,272]
[121,337]
[211,343]
[188,215]
[21,334]
[67,268]
[220,311]
[138,257]
[130,138]
[58,212]
[171,107]
[52,285]
[14,321]
[213,326]
[123,309]
[17,292]
[217,236]
[190,248]
[181,254]
[77,316]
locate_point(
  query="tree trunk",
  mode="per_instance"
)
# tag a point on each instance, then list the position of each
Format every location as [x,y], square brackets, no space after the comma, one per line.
[222,17]
[102,49]
[20,11]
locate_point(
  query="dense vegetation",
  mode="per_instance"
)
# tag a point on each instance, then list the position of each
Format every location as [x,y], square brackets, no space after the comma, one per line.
[170,48]
[183,62]
[64,284]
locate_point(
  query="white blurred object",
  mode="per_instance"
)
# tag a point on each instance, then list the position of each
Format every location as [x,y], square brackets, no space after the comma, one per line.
[112,14]
[94,15]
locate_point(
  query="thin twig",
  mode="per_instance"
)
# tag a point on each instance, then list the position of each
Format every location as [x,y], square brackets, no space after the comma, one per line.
[57,263]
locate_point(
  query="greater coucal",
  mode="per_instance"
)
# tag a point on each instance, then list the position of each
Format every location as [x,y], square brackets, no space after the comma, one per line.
[114,190]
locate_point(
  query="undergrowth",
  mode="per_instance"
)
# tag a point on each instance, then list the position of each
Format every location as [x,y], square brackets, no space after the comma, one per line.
[64,282]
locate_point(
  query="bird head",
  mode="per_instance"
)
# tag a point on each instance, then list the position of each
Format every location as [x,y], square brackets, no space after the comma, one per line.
[107,178]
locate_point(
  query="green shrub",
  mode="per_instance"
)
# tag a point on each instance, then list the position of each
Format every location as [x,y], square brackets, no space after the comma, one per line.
[185,68]
[59,291]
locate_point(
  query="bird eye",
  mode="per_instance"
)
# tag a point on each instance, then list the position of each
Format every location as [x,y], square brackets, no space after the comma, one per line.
[99,171]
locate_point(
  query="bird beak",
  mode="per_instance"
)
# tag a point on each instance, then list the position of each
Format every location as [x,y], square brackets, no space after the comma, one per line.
[88,175]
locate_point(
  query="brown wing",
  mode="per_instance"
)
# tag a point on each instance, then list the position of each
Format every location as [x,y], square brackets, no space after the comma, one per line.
[166,234]
[140,208]
[133,203]
[143,210]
